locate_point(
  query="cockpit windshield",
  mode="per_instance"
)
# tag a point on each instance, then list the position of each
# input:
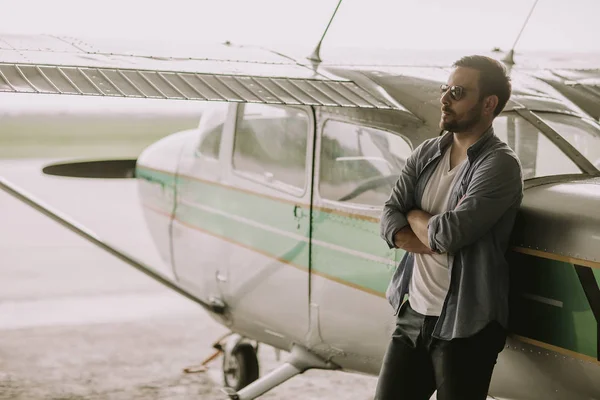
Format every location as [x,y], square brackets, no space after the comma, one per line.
[582,134]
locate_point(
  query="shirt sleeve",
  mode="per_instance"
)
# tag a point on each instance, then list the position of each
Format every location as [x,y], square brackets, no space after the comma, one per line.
[496,185]
[401,201]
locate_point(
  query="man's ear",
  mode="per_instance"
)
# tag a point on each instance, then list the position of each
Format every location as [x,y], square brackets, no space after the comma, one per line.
[490,103]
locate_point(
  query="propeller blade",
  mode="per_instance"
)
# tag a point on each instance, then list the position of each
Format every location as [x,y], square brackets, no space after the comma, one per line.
[104,169]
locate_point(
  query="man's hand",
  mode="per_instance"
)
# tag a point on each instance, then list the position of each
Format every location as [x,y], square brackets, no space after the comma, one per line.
[418,221]
[406,239]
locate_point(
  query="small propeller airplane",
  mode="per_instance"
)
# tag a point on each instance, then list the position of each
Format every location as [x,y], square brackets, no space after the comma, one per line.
[268,211]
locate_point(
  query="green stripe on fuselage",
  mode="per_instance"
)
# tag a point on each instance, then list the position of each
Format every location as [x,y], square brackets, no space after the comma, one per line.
[159,177]
[275,245]
[260,209]
[350,232]
[346,232]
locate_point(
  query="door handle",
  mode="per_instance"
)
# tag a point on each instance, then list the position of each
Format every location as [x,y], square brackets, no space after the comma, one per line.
[298,212]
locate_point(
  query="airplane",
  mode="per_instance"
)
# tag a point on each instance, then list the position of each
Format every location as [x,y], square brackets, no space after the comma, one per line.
[267,211]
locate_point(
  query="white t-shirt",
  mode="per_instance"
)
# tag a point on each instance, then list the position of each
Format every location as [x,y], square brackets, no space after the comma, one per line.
[430,278]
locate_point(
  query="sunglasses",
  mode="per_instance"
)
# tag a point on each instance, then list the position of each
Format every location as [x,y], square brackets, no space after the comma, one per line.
[456,92]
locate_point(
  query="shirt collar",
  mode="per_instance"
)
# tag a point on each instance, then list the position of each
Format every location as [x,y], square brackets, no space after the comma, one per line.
[473,150]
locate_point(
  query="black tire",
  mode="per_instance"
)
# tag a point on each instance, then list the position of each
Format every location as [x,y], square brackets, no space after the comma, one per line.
[242,369]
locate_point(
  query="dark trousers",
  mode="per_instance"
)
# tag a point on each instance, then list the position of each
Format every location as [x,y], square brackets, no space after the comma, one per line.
[415,364]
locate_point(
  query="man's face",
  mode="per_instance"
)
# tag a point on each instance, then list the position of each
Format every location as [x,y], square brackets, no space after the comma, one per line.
[462,114]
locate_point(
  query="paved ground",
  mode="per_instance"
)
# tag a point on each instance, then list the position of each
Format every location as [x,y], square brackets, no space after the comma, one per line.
[75,323]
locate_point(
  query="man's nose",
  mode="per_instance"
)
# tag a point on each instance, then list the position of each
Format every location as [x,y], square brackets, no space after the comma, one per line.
[445,97]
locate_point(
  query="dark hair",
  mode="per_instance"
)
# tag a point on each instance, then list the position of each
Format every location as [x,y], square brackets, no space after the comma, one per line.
[493,78]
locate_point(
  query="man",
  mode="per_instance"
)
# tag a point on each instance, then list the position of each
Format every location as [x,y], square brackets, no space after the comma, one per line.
[452,210]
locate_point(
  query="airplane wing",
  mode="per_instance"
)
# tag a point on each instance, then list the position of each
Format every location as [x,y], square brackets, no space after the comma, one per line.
[580,86]
[63,65]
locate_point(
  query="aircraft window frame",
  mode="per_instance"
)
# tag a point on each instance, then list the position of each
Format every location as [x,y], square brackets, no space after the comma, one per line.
[205,156]
[544,137]
[203,133]
[351,204]
[555,120]
[276,184]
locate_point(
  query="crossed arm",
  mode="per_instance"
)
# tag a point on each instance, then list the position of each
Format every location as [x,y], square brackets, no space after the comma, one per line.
[413,237]
[494,187]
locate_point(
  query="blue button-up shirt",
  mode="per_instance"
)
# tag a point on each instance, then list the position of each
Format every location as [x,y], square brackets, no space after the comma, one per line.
[476,230]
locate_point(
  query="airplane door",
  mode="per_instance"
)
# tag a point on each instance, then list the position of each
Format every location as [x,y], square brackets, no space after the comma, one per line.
[264,219]
[198,251]
[241,228]
[351,265]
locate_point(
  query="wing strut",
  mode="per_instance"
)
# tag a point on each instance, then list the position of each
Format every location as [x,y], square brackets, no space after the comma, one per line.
[91,237]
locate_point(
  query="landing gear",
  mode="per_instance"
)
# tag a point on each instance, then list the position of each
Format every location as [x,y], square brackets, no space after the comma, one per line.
[240,363]
[299,361]
[240,366]
[241,371]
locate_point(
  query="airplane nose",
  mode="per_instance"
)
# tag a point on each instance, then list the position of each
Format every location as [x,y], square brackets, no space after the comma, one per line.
[156,171]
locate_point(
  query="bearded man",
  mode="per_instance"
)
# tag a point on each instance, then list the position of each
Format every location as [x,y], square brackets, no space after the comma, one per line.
[452,210]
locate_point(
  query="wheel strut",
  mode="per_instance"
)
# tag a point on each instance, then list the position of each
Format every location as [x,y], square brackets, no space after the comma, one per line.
[299,361]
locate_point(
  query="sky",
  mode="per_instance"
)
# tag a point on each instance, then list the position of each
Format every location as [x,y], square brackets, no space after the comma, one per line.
[411,24]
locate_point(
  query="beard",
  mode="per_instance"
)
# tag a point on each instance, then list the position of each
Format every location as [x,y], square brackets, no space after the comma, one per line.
[471,118]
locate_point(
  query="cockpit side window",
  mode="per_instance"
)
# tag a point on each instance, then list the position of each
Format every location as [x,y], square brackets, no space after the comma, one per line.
[271,143]
[211,128]
[538,155]
[359,164]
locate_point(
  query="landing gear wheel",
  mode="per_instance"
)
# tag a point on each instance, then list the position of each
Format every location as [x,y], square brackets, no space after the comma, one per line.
[240,368]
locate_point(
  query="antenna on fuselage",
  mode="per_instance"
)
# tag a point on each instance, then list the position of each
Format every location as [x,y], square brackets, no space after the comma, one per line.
[510,56]
[316,54]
